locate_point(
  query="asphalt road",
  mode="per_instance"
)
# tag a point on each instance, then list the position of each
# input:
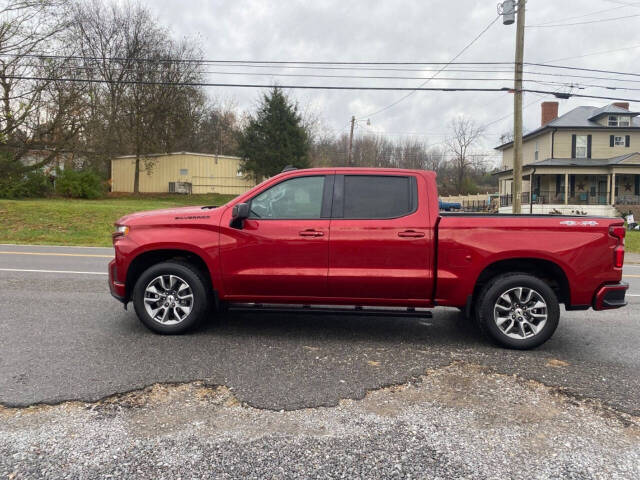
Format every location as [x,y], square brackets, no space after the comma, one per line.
[64,338]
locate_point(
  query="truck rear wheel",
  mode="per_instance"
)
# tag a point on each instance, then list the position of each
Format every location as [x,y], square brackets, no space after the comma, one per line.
[171,297]
[518,310]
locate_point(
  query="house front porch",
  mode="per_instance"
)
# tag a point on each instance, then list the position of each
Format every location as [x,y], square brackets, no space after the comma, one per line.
[574,192]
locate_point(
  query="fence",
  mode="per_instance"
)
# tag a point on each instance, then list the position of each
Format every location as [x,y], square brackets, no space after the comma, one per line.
[479,202]
[552,197]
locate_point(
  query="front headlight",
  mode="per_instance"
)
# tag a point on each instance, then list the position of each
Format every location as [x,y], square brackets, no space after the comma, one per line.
[121,231]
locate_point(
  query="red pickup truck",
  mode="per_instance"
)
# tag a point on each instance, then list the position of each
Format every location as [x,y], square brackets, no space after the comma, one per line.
[368,238]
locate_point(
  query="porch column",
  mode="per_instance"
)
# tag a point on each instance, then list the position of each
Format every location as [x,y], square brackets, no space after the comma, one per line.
[531,192]
[609,188]
[613,188]
[566,188]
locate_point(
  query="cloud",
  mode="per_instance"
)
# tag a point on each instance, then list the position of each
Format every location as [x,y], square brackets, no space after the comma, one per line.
[403,31]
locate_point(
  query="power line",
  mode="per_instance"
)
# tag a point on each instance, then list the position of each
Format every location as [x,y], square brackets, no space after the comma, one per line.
[511,113]
[303,75]
[587,14]
[466,47]
[626,4]
[319,87]
[527,72]
[253,62]
[566,67]
[602,20]
[594,53]
[387,77]
[292,64]
[253,85]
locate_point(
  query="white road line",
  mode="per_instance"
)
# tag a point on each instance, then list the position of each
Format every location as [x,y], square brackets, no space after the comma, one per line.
[52,254]
[49,246]
[50,271]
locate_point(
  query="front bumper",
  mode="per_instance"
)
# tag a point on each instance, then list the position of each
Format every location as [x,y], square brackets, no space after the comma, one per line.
[118,289]
[610,296]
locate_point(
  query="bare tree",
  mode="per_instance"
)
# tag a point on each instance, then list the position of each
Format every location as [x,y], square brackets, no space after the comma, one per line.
[216,128]
[147,98]
[36,105]
[506,136]
[464,135]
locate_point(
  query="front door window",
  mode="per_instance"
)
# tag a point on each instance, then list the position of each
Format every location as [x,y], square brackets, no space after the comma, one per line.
[297,198]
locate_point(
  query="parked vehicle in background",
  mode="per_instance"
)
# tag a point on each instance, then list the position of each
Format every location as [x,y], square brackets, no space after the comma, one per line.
[367,238]
[449,206]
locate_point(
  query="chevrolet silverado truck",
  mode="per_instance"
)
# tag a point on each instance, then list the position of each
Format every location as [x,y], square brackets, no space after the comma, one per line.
[371,239]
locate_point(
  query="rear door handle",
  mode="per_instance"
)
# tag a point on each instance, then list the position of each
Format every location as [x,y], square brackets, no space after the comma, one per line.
[411,234]
[311,233]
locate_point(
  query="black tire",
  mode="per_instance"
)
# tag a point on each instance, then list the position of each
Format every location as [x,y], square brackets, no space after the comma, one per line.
[197,283]
[498,286]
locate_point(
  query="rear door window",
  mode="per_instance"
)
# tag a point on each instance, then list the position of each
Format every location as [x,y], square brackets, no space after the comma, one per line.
[375,196]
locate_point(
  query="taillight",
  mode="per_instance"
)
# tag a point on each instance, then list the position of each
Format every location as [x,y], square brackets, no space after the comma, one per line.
[618,253]
[618,257]
[618,232]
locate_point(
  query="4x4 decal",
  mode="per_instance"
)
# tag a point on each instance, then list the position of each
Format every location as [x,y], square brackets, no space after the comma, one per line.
[585,223]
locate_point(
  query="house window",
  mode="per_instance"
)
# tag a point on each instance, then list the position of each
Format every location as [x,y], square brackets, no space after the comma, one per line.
[624,121]
[619,141]
[613,121]
[184,171]
[535,154]
[581,146]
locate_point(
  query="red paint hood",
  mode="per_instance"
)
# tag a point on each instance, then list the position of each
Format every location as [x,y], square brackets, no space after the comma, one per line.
[197,214]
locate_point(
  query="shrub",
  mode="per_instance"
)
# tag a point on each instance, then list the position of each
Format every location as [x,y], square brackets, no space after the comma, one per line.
[28,185]
[79,184]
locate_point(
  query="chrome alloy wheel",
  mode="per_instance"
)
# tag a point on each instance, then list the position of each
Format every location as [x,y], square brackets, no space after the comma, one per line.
[168,299]
[520,313]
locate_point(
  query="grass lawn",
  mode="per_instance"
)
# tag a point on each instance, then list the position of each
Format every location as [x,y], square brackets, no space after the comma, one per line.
[632,242]
[62,221]
[58,221]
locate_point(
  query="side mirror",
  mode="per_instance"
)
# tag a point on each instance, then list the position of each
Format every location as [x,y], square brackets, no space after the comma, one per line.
[239,212]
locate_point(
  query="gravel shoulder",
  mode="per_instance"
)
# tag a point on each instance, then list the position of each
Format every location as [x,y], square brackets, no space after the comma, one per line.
[457,421]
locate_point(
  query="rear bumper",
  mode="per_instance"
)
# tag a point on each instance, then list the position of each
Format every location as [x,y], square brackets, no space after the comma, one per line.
[117,289]
[610,296]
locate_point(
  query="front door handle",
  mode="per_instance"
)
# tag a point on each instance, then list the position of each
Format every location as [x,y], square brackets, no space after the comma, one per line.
[311,233]
[411,234]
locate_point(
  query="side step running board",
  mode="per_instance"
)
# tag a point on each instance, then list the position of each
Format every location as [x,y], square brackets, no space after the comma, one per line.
[330,310]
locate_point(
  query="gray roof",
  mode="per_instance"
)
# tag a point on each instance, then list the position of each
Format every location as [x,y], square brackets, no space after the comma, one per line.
[610,109]
[581,162]
[582,117]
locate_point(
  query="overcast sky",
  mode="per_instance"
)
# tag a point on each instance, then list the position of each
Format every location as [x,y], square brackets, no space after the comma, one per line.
[413,31]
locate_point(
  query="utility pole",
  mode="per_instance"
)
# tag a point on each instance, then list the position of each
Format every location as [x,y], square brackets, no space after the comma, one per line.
[353,122]
[517,110]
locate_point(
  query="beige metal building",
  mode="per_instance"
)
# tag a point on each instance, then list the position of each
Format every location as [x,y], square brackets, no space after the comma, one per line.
[205,173]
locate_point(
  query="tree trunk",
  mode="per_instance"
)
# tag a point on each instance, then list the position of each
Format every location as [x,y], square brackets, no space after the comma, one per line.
[136,177]
[460,179]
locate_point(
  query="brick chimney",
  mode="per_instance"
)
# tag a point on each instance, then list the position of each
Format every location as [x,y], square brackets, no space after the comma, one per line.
[624,105]
[549,112]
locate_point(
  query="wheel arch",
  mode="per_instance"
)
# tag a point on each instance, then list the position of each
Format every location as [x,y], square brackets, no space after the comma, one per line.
[546,270]
[151,257]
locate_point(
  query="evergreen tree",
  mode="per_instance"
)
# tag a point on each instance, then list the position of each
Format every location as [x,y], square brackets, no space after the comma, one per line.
[274,138]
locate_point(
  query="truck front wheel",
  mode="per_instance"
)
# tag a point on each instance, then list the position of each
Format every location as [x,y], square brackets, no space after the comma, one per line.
[170,297]
[517,310]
